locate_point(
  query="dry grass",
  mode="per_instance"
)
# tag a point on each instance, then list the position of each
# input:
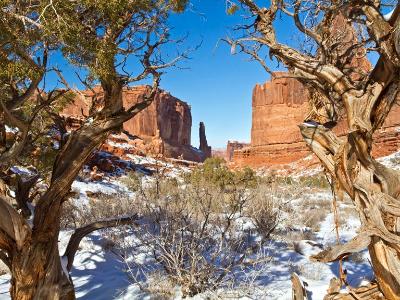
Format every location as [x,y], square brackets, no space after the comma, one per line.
[313,218]
[100,206]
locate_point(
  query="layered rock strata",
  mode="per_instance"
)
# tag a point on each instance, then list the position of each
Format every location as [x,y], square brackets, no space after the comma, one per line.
[278,107]
[163,128]
[232,146]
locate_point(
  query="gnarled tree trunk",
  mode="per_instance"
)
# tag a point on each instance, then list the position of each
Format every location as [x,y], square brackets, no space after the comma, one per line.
[374,189]
[365,100]
[37,273]
[36,267]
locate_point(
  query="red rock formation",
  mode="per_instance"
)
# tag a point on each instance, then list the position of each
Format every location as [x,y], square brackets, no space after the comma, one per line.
[233,146]
[277,102]
[203,141]
[163,128]
[278,107]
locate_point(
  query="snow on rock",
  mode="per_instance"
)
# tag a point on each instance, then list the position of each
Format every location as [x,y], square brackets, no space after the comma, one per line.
[11,129]
[22,170]
[120,145]
[102,186]
[391,161]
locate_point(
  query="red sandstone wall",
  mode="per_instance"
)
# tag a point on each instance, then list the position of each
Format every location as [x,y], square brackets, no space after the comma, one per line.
[279,106]
[164,127]
[232,146]
[167,117]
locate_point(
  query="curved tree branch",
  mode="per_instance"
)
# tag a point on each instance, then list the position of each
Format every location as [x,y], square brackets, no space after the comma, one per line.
[80,233]
[13,226]
[357,244]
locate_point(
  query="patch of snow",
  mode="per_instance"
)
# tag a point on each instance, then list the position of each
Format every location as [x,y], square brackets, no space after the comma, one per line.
[311,124]
[11,129]
[64,264]
[21,170]
[391,161]
[95,187]
[308,157]
[120,145]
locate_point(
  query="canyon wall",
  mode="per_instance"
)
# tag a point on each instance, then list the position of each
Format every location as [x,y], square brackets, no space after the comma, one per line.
[279,106]
[163,128]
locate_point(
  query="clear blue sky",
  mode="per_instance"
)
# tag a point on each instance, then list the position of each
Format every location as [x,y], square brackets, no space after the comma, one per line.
[218,86]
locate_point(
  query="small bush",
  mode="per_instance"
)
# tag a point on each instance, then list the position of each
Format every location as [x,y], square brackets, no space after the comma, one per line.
[100,206]
[395,160]
[132,181]
[214,171]
[264,211]
[196,233]
[315,181]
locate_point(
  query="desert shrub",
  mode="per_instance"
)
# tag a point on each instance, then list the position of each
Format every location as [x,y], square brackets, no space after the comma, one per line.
[314,181]
[263,210]
[282,180]
[313,218]
[132,181]
[71,216]
[100,206]
[214,171]
[198,234]
[395,160]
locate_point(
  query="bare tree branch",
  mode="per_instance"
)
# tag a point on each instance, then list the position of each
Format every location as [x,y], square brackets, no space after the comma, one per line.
[80,233]
[13,224]
[357,244]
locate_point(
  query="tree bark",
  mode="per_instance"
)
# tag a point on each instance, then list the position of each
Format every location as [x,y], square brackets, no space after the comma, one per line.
[37,273]
[374,191]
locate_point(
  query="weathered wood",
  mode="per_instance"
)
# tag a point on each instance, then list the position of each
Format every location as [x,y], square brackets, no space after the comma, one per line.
[368,292]
[298,290]
[334,253]
[365,103]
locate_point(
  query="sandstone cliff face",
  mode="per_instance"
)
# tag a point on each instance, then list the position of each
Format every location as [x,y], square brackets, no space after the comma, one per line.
[167,117]
[281,101]
[163,128]
[279,106]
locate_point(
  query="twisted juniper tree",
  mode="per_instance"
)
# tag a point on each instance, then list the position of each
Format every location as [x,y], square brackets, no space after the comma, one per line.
[115,43]
[326,66]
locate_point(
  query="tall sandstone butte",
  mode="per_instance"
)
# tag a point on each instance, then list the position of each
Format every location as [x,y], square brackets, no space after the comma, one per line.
[162,128]
[281,104]
[278,107]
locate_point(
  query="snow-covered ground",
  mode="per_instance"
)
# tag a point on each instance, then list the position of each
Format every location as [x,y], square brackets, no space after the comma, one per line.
[99,273]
